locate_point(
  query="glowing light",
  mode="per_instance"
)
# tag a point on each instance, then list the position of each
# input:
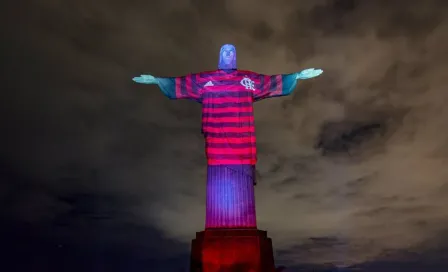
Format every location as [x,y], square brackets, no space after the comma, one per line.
[232,250]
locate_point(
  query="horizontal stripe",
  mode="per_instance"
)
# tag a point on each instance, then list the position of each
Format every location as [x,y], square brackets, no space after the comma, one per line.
[218,75]
[228,119]
[213,161]
[230,151]
[226,99]
[230,134]
[228,124]
[248,73]
[228,109]
[209,75]
[217,156]
[227,114]
[226,105]
[231,140]
[230,145]
[226,130]
[228,86]
[243,93]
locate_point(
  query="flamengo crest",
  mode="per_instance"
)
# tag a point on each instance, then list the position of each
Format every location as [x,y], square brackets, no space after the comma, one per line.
[248,83]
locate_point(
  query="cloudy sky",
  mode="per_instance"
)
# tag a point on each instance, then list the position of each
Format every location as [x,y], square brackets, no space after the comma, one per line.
[101,174]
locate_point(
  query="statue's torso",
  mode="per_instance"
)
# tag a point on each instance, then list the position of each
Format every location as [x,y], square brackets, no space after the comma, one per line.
[228,118]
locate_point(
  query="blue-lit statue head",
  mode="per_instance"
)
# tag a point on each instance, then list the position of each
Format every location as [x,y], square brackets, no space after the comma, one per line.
[227,57]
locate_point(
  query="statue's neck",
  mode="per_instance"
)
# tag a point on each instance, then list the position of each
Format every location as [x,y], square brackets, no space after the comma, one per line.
[228,71]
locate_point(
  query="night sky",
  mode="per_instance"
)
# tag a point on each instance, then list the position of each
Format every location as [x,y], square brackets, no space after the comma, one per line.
[98,173]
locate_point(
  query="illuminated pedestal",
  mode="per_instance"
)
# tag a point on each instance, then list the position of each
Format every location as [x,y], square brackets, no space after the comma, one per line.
[232,250]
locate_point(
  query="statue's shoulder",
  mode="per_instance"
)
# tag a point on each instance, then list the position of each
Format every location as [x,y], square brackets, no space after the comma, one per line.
[247,73]
[210,72]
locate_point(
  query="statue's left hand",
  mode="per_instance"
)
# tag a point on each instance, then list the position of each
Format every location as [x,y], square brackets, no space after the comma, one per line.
[145,79]
[309,73]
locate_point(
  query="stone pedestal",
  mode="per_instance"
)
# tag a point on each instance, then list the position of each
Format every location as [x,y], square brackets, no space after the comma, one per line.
[232,250]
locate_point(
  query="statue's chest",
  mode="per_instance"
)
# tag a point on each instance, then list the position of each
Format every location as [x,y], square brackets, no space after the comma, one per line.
[228,84]
[221,97]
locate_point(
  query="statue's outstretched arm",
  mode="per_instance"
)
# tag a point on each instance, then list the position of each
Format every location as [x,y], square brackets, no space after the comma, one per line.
[182,87]
[282,84]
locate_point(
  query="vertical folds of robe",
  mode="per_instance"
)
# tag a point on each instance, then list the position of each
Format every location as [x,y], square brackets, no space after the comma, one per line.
[230,197]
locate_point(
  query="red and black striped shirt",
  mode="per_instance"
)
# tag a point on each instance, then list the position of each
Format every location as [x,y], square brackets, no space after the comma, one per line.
[227,98]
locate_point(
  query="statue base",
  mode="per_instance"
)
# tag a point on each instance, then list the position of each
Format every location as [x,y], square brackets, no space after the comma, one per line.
[232,250]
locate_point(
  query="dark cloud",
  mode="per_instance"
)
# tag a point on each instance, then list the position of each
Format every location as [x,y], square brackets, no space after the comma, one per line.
[116,171]
[344,137]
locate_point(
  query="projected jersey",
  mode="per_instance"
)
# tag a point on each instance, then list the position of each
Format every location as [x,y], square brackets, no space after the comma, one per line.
[227,98]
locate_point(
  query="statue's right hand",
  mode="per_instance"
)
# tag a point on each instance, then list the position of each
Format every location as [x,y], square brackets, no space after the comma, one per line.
[145,79]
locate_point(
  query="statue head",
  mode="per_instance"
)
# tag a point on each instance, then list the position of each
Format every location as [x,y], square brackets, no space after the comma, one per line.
[227,57]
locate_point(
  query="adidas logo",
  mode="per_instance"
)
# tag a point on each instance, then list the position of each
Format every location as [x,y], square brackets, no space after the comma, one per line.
[208,84]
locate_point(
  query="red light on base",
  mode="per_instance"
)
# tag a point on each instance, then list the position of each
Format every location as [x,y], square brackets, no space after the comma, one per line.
[232,250]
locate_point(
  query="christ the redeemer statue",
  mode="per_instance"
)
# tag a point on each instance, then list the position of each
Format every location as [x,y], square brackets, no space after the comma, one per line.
[227,96]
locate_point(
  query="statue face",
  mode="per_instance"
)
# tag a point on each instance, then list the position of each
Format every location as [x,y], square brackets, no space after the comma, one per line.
[227,57]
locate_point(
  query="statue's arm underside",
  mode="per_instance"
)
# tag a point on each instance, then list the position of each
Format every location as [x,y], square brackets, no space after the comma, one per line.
[182,87]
